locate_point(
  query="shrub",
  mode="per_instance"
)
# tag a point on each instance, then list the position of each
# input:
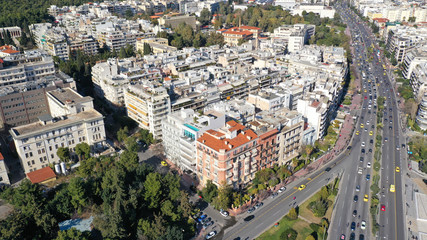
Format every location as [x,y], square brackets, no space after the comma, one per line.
[289,234]
[293,215]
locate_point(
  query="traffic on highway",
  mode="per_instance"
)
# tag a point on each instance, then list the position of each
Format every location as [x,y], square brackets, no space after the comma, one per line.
[352,215]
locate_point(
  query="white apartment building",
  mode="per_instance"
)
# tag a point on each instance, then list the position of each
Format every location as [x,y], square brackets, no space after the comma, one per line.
[112,77]
[37,143]
[316,114]
[323,11]
[286,4]
[4,177]
[414,68]
[51,39]
[181,129]
[30,66]
[422,113]
[66,101]
[296,36]
[148,103]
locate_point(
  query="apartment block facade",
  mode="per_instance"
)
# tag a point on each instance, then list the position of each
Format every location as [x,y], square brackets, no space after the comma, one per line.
[148,103]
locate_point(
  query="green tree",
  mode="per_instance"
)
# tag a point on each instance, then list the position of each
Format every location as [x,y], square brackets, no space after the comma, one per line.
[167,209]
[72,234]
[128,14]
[289,234]
[63,153]
[205,16]
[78,194]
[293,214]
[215,39]
[131,144]
[147,49]
[324,194]
[83,150]
[122,53]
[223,200]
[153,190]
[209,192]
[310,237]
[122,134]
[129,160]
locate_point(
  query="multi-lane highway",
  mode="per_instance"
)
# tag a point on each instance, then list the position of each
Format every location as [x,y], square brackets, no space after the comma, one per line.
[375,83]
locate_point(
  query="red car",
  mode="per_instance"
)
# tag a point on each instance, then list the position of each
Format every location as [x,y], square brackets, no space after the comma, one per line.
[366,97]
[383,208]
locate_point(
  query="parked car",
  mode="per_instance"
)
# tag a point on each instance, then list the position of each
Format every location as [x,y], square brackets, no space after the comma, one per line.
[201,218]
[206,225]
[282,189]
[211,235]
[258,205]
[223,213]
[250,210]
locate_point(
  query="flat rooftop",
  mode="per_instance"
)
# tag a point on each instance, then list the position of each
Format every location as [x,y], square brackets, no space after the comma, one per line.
[65,95]
[39,127]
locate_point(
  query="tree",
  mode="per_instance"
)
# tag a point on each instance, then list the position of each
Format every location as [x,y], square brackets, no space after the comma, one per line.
[293,215]
[289,234]
[122,53]
[83,150]
[131,144]
[205,16]
[324,194]
[209,192]
[72,234]
[122,134]
[310,237]
[147,49]
[129,160]
[128,13]
[63,153]
[153,190]
[223,200]
[78,194]
[215,39]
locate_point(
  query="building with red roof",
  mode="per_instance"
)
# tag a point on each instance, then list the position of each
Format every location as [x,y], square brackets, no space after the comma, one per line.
[42,176]
[227,155]
[233,35]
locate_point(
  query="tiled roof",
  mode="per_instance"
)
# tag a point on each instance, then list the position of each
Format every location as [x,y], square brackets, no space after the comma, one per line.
[41,175]
[315,103]
[238,32]
[10,51]
[234,126]
[1,156]
[212,138]
[250,27]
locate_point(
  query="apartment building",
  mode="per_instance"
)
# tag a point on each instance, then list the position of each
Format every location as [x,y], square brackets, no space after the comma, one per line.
[402,39]
[174,21]
[15,32]
[157,45]
[4,177]
[316,114]
[414,69]
[422,113]
[322,10]
[296,36]
[227,155]
[51,39]
[23,103]
[112,77]
[233,35]
[29,66]
[37,143]
[180,131]
[266,101]
[148,103]
[84,43]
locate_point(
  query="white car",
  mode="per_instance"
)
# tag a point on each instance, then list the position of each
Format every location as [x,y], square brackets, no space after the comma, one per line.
[363,144]
[282,189]
[224,213]
[360,170]
[211,235]
[369,165]
[363,225]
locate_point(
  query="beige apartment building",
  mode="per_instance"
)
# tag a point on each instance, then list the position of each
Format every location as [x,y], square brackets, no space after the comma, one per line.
[148,103]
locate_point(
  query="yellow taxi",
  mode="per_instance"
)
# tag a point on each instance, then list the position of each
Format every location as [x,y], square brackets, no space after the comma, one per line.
[361,125]
[357,132]
[164,163]
[371,133]
[392,188]
[369,80]
[397,169]
[301,187]
[366,198]
[384,74]
[365,90]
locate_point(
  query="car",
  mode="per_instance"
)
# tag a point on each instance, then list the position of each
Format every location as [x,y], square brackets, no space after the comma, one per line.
[164,163]
[371,133]
[249,218]
[357,188]
[385,139]
[361,159]
[206,220]
[356,198]
[360,171]
[202,217]
[363,144]
[328,169]
[282,189]
[368,165]
[353,226]
[352,236]
[392,188]
[342,237]
[372,126]
[397,148]
[250,210]
[211,235]
[274,195]
[363,225]
[224,213]
[383,207]
[390,127]
[371,141]
[397,169]
[206,225]
[301,187]
[258,205]
[368,176]
[361,237]
[354,213]
[370,150]
[362,151]
[357,132]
